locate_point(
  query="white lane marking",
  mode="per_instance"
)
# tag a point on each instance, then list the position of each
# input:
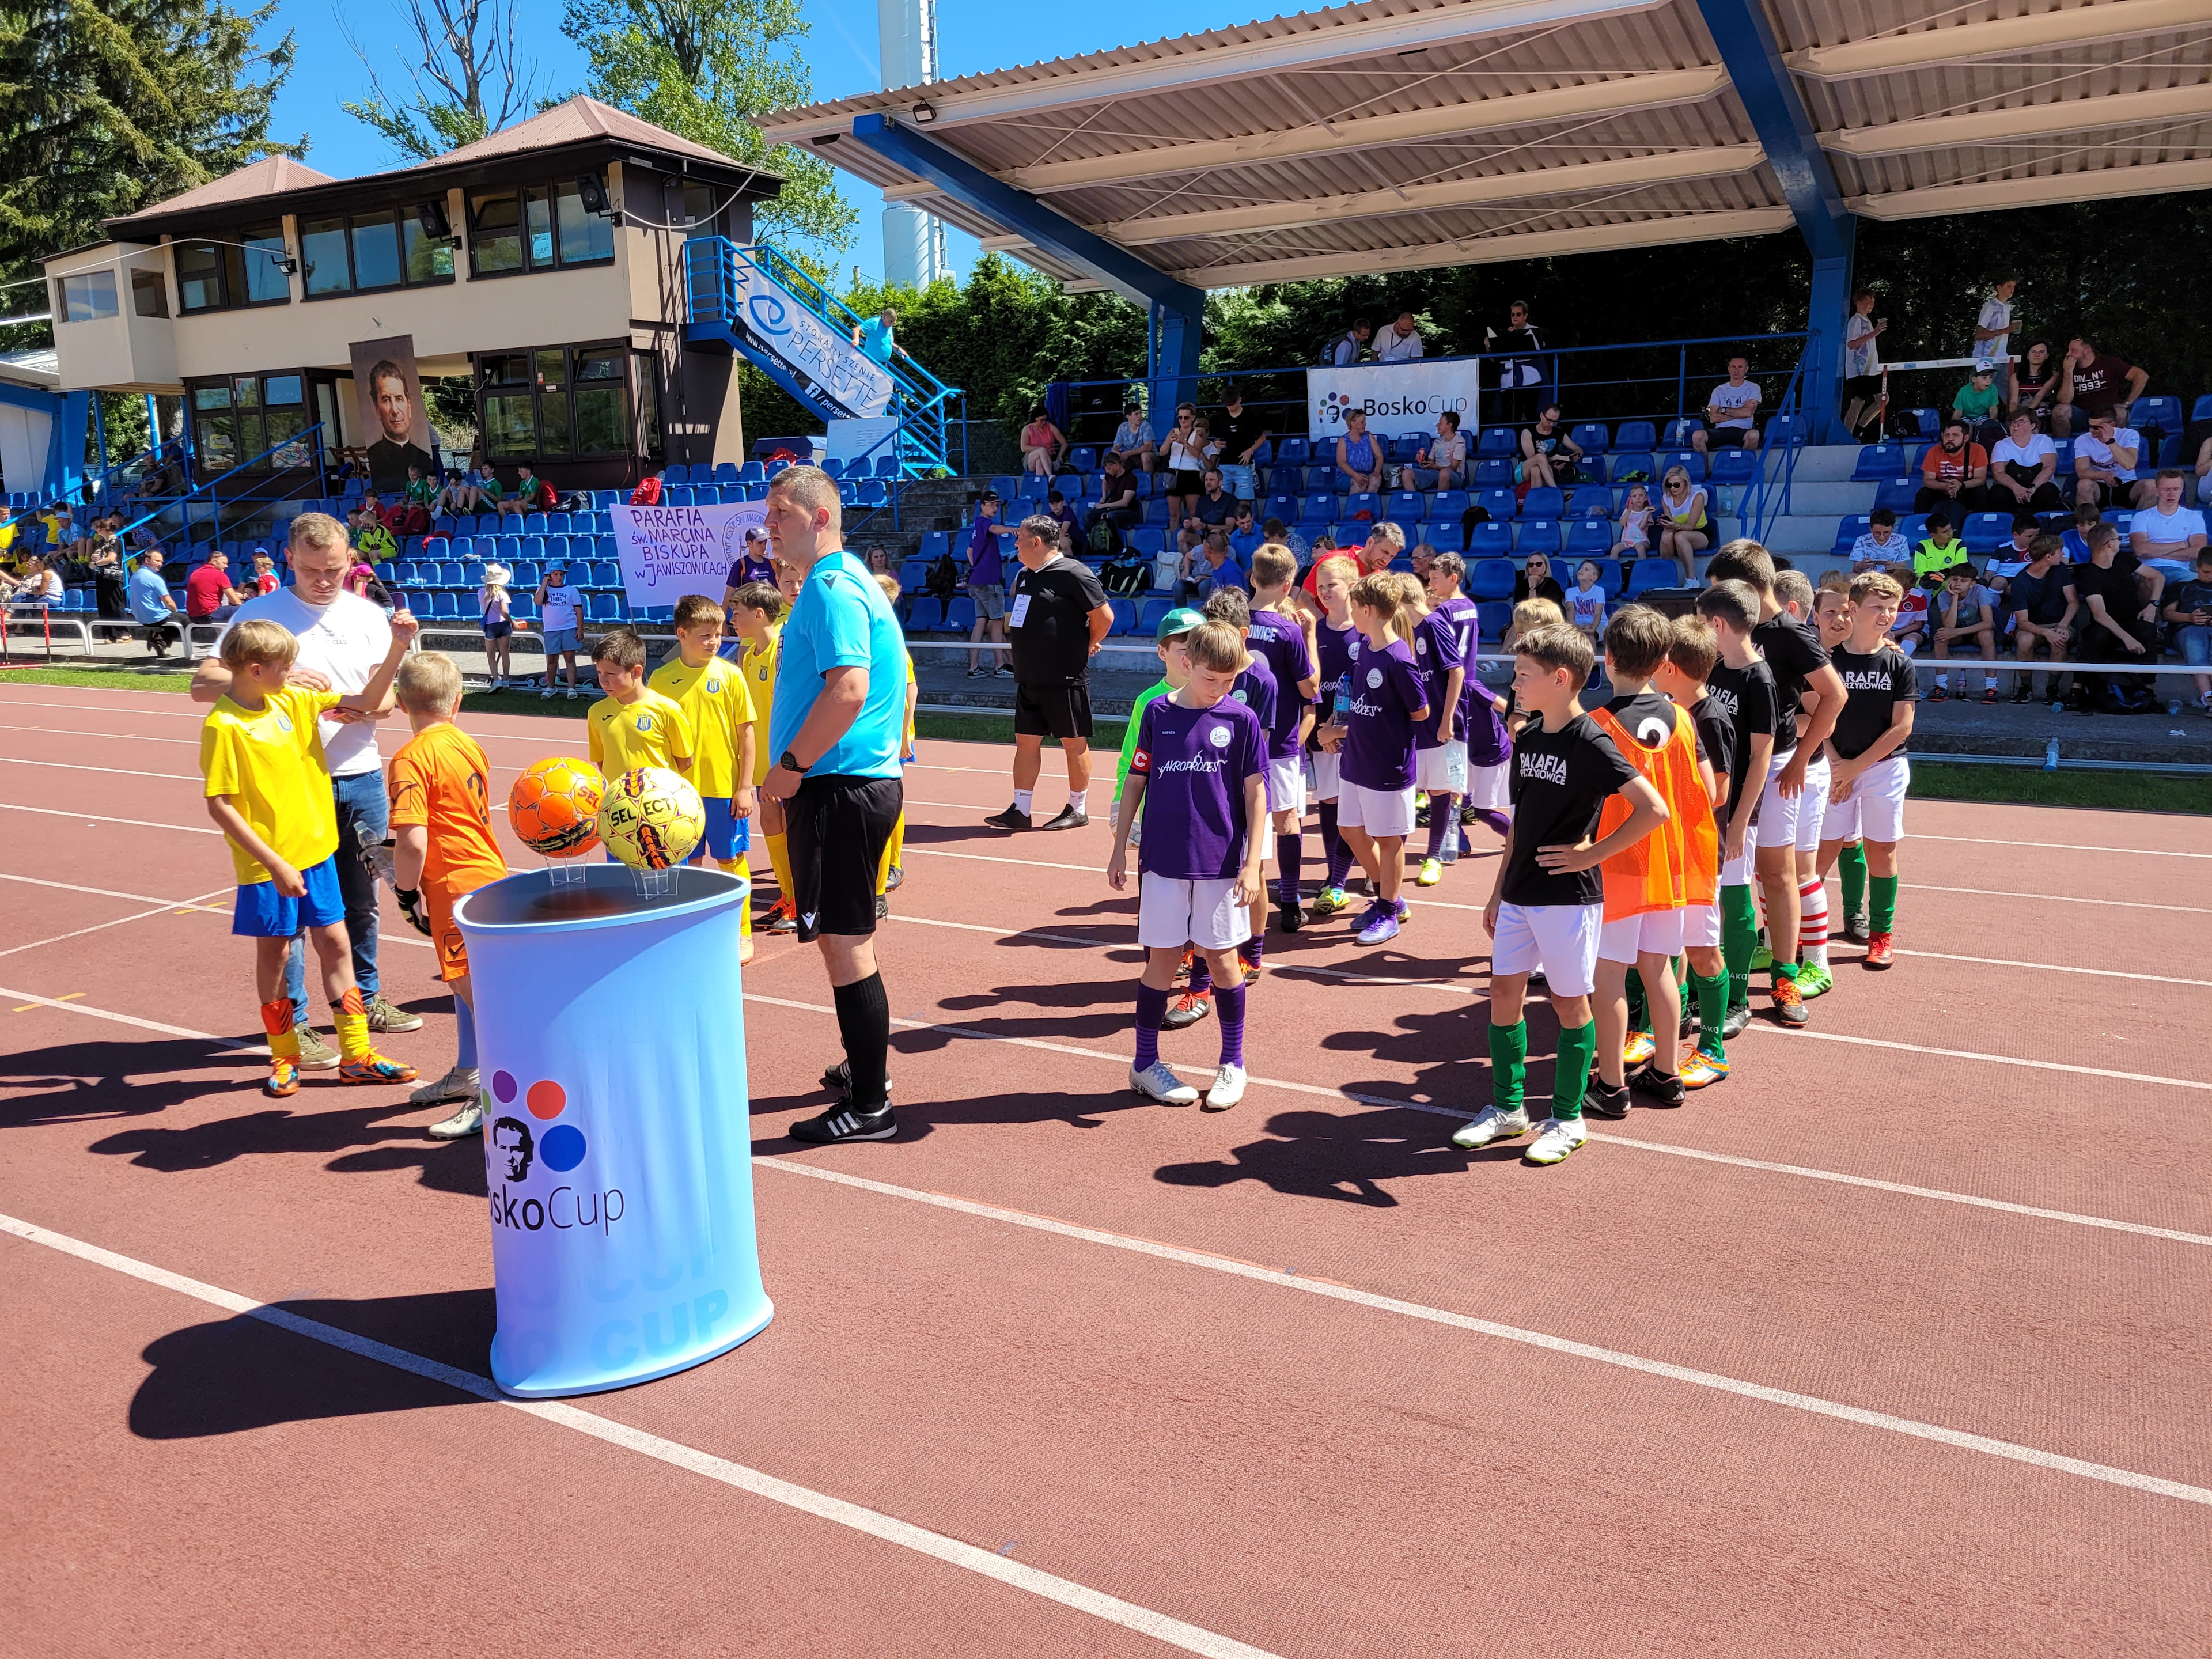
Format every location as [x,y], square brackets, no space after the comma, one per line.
[117,771]
[160,909]
[988,1564]
[95,818]
[2033,1456]
[2057,968]
[132,1019]
[2061,845]
[96,892]
[2058,898]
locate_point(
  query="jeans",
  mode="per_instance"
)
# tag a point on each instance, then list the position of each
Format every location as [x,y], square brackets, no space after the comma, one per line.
[2196,645]
[1236,480]
[361,803]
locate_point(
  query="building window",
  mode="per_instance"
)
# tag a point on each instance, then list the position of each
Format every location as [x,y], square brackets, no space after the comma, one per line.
[227,274]
[369,253]
[601,407]
[149,294]
[257,420]
[699,212]
[86,298]
[554,403]
[429,260]
[538,228]
[649,402]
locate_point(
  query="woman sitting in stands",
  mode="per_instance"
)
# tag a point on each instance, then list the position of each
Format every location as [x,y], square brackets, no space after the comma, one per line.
[1358,456]
[2035,382]
[1043,445]
[1683,531]
[36,585]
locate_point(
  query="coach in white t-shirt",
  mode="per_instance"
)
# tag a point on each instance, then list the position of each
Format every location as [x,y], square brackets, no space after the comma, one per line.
[1399,342]
[2167,529]
[343,638]
[1731,413]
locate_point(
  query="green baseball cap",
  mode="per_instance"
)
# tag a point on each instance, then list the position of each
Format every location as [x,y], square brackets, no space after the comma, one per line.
[1180,620]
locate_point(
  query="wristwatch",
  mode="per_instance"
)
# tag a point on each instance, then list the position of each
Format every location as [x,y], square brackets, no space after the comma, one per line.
[789,762]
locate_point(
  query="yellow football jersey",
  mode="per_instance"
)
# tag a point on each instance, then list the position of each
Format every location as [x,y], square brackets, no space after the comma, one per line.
[651,732]
[270,762]
[712,696]
[760,668]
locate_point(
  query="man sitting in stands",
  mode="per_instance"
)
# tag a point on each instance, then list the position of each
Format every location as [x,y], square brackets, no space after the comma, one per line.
[1731,413]
[1952,474]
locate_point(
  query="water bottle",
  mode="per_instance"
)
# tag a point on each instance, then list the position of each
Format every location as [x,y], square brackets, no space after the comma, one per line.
[2051,756]
[2174,708]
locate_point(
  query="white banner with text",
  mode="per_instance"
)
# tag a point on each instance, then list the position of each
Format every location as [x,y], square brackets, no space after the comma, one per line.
[1400,400]
[669,551]
[827,357]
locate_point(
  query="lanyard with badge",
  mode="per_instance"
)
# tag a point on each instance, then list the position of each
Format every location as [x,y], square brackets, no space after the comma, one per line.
[1019,613]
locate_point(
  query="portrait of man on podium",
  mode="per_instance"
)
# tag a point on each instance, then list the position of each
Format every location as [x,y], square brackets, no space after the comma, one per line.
[510,1138]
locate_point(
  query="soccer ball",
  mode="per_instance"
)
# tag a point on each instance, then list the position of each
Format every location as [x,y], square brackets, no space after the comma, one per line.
[553,807]
[651,818]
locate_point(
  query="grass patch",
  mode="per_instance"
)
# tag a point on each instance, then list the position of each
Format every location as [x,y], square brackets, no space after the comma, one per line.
[100,680]
[999,728]
[2029,786]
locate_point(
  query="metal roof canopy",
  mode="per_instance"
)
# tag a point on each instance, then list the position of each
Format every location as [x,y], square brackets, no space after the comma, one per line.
[1401,134]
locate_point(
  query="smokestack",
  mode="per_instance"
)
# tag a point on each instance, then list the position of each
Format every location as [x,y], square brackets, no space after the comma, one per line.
[913,242]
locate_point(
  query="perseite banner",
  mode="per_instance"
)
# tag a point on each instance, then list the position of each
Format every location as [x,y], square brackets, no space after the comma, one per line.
[1401,400]
[669,551]
[828,358]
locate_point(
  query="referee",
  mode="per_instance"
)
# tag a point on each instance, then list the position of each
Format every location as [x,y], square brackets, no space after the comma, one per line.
[839,719]
[1057,616]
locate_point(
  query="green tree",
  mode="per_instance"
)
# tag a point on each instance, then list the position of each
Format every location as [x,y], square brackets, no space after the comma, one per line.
[467,77]
[699,68]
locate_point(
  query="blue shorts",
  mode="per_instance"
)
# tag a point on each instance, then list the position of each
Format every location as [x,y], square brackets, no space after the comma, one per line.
[262,912]
[560,642]
[726,836]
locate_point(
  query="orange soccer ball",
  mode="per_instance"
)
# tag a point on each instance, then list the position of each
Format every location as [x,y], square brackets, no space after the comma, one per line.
[553,807]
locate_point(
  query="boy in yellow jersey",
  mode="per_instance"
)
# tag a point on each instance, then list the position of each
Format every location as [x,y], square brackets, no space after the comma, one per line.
[442,847]
[634,724]
[891,874]
[711,693]
[269,791]
[755,617]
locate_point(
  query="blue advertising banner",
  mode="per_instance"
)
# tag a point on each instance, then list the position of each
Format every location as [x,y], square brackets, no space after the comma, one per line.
[829,358]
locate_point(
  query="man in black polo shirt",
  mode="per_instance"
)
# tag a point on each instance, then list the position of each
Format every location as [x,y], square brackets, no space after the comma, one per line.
[1057,616]
[2042,602]
[1240,432]
[2122,624]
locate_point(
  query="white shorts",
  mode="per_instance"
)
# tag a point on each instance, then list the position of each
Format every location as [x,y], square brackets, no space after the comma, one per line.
[1784,820]
[1737,872]
[1490,788]
[1813,805]
[1442,769]
[1171,913]
[1701,926]
[1654,933]
[1559,939]
[1322,771]
[1286,785]
[1380,812]
[1876,808]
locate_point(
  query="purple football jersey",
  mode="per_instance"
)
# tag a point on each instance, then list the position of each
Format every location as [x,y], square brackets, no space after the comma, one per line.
[1194,763]
[1386,694]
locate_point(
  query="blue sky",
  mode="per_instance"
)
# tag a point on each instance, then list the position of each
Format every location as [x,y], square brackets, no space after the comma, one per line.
[976,35]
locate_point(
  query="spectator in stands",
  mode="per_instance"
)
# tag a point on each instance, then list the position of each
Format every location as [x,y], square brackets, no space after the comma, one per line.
[209,595]
[1964,616]
[1069,520]
[2166,529]
[876,339]
[1518,377]
[2204,471]
[37,585]
[107,566]
[2021,470]
[1862,389]
[1953,472]
[416,508]
[1043,445]
[880,560]
[1359,455]
[1535,582]
[1399,342]
[1992,344]
[263,579]
[2105,465]
[1633,535]
[1240,436]
[752,564]
[531,493]
[1213,563]
[2042,602]
[2091,383]
[1214,508]
[1683,531]
[1881,547]
[1731,413]
[473,491]
[2076,536]
[2188,608]
[151,606]
[1345,348]
[1548,455]
[1443,465]
[987,588]
[1933,559]
[1978,403]
[1134,440]
[2122,600]
[372,536]
[1244,537]
[2035,381]
[2013,557]
[1117,507]
[1185,454]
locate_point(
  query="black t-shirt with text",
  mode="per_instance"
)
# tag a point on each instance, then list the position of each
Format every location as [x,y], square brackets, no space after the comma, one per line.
[1048,618]
[1793,654]
[1560,782]
[1745,698]
[1874,685]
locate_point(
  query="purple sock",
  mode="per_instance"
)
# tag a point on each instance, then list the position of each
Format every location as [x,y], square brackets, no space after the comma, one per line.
[1228,1010]
[1443,818]
[1201,974]
[1290,853]
[1493,819]
[1152,1008]
[1332,846]
[1251,949]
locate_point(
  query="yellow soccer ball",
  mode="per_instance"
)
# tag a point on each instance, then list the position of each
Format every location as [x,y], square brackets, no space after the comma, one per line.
[650,818]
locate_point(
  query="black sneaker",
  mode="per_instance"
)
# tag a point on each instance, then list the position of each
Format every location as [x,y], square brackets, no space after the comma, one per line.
[1290,917]
[1738,1021]
[1068,817]
[2023,692]
[1601,1102]
[846,1122]
[1187,1010]
[1012,818]
[1662,1088]
[883,907]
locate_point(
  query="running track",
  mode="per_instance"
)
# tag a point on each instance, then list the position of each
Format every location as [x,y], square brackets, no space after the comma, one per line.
[1893,1344]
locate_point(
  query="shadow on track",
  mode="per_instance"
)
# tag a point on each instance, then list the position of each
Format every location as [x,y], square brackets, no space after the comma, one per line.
[362,1141]
[69,1091]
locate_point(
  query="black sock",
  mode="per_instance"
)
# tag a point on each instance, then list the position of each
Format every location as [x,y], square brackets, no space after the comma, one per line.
[864,1020]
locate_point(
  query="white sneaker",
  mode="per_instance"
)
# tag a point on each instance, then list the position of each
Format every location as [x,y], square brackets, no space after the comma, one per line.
[1556,1138]
[547,692]
[1491,1124]
[1158,1083]
[1228,1089]
[571,694]
[469,1120]
[459,1084]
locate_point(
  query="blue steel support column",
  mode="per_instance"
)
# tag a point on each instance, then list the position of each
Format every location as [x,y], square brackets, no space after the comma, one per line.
[1754,58]
[1178,309]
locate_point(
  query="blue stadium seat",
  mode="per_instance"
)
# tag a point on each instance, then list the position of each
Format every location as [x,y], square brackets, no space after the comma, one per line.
[935,544]
[1931,421]
[959,614]
[1319,478]
[2163,413]
[1448,504]
[1035,486]
[1985,532]
[1649,574]
[1287,480]
[472,574]
[1409,506]
[1007,484]
[1632,466]
[1490,578]
[834,467]
[434,547]
[1734,466]
[524,573]
[1494,617]
[1636,436]
[1494,540]
[1787,432]
[558,524]
[752,473]
[2203,411]
[1402,450]
[1590,500]
[1913,526]
[1494,473]
[1366,501]
[1283,506]
[523,607]
[1125,616]
[601,608]
[925,613]
[1538,536]
[726,472]
[1688,459]
[887,466]
[533,523]
[1544,502]
[605,574]
[1445,536]
[1150,539]
[1150,613]
[1849,529]
[1503,505]
[445,606]
[1293,452]
[1608,575]
[1882,460]
[1589,537]
[1897,494]
[874,492]
[1317,509]
[1496,440]
[449,574]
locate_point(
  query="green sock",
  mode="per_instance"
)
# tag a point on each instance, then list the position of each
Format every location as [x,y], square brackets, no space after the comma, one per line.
[1851,865]
[1882,912]
[1509,1064]
[1639,1012]
[1713,1010]
[1739,933]
[1782,970]
[1571,1075]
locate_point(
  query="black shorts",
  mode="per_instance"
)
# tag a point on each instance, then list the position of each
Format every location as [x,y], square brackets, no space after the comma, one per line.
[836,828]
[1060,711]
[1187,484]
[1726,437]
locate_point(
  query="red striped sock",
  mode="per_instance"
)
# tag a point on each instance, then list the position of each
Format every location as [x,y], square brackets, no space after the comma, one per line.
[1812,922]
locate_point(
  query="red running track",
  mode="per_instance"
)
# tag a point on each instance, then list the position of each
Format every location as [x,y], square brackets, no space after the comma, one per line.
[1892,1344]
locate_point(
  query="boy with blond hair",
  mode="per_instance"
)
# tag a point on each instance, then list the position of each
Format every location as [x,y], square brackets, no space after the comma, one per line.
[1866,801]
[1740,687]
[269,792]
[712,694]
